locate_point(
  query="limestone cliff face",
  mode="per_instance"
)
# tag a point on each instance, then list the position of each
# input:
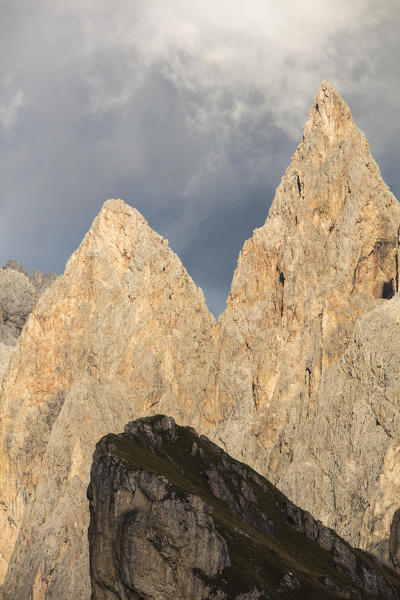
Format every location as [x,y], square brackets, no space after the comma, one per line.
[348,454]
[122,333]
[17,299]
[327,254]
[174,517]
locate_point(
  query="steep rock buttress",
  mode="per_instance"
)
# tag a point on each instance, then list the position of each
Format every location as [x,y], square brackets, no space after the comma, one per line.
[327,254]
[122,333]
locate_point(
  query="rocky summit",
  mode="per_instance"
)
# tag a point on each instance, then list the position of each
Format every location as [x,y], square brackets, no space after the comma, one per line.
[122,333]
[299,377]
[173,516]
[327,255]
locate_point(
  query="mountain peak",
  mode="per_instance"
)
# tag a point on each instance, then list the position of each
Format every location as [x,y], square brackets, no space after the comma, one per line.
[112,238]
[331,165]
[327,254]
[125,316]
[326,87]
[121,211]
[329,114]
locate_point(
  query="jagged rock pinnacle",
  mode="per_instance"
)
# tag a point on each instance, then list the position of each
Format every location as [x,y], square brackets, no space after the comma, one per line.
[327,254]
[330,165]
[120,207]
[122,333]
[329,114]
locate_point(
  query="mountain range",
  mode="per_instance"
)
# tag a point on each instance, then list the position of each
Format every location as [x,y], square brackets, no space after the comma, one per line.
[298,378]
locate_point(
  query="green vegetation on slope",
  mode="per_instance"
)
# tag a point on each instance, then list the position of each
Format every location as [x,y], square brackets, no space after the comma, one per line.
[267,552]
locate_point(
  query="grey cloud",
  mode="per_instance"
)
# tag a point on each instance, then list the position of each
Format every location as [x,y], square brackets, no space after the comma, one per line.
[189,111]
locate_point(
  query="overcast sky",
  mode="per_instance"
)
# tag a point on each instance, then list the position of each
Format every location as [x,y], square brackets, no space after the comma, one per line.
[188,110]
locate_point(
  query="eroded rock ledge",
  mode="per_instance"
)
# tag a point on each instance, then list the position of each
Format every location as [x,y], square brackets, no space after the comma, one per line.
[173,516]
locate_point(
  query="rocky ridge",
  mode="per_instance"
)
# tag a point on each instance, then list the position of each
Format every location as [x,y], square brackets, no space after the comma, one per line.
[175,517]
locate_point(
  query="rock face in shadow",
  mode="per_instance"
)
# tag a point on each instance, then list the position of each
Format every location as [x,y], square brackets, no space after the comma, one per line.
[123,332]
[17,299]
[350,451]
[394,541]
[175,517]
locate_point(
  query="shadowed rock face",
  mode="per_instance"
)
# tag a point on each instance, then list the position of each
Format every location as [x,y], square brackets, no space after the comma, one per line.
[353,439]
[17,299]
[394,542]
[19,293]
[175,517]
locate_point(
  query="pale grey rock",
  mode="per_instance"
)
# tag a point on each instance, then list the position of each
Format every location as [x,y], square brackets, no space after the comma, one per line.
[19,293]
[14,265]
[347,453]
[42,281]
[285,382]
[17,299]
[5,355]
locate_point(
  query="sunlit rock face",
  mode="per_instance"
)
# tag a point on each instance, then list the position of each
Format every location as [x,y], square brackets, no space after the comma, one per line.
[290,380]
[327,254]
[123,332]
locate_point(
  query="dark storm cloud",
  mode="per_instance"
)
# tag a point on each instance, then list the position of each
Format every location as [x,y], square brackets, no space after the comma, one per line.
[189,111]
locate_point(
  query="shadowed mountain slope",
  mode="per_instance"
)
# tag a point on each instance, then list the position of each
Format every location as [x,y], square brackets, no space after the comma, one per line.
[175,517]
